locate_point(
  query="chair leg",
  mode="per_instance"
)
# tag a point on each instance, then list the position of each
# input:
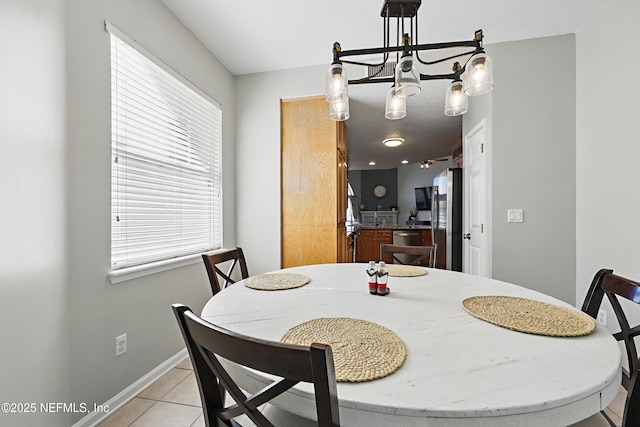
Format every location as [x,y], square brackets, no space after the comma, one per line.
[609,420]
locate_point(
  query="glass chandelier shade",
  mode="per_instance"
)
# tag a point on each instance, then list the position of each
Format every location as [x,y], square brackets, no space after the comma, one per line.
[455,101]
[478,75]
[339,109]
[337,87]
[407,80]
[396,105]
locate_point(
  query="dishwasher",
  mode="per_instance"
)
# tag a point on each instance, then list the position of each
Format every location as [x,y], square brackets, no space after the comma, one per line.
[407,238]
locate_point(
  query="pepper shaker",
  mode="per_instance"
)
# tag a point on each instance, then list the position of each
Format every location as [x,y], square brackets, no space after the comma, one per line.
[383,277]
[372,278]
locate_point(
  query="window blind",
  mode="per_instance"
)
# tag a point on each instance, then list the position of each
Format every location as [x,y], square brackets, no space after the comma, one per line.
[166,161]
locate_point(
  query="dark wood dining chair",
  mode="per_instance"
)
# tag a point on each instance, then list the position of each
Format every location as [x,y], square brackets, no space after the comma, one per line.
[410,255]
[211,262]
[207,342]
[616,287]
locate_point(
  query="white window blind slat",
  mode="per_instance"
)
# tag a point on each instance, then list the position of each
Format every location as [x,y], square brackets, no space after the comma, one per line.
[166,161]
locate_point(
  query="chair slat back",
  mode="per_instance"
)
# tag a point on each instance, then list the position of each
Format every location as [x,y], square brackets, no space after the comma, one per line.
[206,342]
[615,287]
[211,262]
[420,254]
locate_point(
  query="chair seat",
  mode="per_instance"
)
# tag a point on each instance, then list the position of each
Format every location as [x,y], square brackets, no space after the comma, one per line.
[281,418]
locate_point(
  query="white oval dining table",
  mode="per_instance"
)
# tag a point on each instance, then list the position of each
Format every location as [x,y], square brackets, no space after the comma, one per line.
[459,370]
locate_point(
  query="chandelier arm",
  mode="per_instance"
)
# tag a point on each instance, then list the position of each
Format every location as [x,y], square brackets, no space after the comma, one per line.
[417,48]
[437,61]
[365,80]
[373,76]
[366,64]
[370,79]
[450,76]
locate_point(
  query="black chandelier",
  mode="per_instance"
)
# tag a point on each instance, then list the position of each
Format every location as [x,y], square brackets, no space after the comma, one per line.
[475,77]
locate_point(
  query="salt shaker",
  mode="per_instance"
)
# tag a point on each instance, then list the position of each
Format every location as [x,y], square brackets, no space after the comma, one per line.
[383,277]
[372,278]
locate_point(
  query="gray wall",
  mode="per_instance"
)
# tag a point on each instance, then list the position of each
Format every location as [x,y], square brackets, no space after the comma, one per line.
[371,178]
[532,156]
[60,314]
[33,260]
[412,176]
[608,194]
[258,155]
[140,307]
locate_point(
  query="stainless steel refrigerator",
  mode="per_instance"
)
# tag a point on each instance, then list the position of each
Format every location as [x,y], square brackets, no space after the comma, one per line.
[446,221]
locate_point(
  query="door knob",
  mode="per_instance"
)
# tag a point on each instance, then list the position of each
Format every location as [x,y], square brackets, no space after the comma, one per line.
[467,236]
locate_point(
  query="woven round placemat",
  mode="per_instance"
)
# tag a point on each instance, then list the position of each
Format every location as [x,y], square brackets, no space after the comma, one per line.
[529,316]
[276,281]
[399,270]
[362,351]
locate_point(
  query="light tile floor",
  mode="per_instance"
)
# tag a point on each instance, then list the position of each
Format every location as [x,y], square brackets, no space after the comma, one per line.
[171,401]
[174,401]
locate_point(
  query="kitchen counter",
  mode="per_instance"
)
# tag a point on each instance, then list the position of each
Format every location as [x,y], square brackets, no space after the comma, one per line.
[393,227]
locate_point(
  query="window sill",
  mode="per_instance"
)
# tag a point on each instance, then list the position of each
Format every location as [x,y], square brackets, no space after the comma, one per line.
[130,273]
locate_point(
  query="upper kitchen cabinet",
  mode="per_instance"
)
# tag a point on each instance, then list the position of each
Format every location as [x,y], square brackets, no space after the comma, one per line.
[313,184]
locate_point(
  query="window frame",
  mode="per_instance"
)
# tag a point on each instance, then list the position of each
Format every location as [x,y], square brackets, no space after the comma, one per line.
[128,272]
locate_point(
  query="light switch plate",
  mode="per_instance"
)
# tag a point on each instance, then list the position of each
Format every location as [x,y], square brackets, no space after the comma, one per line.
[515,215]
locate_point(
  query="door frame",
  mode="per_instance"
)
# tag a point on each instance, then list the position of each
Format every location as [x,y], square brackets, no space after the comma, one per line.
[466,209]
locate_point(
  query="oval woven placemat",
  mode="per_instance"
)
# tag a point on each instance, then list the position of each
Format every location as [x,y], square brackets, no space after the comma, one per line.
[530,316]
[276,281]
[399,270]
[362,351]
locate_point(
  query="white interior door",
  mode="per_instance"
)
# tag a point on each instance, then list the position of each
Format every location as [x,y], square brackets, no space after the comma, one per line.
[475,232]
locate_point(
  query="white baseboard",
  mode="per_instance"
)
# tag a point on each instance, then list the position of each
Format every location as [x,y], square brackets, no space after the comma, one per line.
[120,399]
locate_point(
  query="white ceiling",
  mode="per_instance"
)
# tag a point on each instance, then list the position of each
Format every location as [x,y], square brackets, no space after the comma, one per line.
[258,36]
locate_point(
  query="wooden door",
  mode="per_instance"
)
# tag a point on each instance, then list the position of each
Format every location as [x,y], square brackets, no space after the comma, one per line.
[313,184]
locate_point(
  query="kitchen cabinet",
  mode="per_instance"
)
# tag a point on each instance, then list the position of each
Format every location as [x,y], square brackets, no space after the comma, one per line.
[313,184]
[369,241]
[425,237]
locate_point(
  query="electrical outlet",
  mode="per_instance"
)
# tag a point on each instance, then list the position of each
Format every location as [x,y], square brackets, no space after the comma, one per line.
[602,317]
[121,344]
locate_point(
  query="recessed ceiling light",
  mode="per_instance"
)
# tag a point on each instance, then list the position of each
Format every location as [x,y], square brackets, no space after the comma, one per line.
[404,162]
[393,142]
[372,163]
